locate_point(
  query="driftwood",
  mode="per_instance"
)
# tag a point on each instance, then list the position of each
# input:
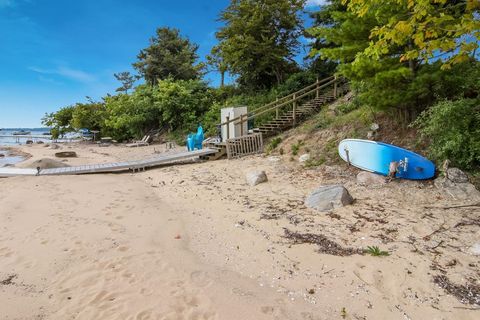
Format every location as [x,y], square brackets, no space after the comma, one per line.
[66,154]
[456,207]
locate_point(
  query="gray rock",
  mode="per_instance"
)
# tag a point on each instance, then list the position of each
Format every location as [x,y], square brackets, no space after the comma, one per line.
[29,142]
[456,175]
[304,158]
[256,177]
[458,191]
[370,179]
[54,146]
[40,142]
[2,155]
[370,135]
[475,249]
[374,127]
[327,198]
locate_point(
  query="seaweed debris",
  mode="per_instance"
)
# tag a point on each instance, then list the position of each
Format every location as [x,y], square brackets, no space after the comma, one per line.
[467,294]
[324,244]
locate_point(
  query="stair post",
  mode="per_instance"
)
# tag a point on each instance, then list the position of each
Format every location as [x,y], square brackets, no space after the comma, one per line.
[276,109]
[335,88]
[228,127]
[294,109]
[241,125]
[318,90]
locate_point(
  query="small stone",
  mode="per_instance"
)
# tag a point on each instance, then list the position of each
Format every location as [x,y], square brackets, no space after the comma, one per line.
[2,155]
[374,127]
[304,158]
[475,249]
[29,142]
[256,177]
[370,179]
[40,142]
[329,197]
[54,146]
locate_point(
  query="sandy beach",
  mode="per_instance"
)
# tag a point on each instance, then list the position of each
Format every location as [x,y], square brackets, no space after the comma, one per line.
[194,241]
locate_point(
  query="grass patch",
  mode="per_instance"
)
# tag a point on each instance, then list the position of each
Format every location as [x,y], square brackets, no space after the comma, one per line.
[274,143]
[315,162]
[296,147]
[376,252]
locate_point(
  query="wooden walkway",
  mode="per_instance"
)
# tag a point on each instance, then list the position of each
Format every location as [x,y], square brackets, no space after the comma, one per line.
[108,167]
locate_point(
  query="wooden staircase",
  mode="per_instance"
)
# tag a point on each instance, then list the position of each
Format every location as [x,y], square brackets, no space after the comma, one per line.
[291,118]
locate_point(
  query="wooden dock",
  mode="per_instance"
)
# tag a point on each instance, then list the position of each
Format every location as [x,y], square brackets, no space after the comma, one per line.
[136,165]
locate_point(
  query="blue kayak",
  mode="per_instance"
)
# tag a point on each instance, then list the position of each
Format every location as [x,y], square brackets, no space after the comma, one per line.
[377,157]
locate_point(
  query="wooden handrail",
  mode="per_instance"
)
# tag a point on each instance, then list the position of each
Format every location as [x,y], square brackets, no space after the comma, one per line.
[291,98]
[256,114]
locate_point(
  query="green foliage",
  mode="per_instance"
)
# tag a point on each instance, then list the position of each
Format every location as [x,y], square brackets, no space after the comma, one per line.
[259,40]
[387,50]
[182,103]
[296,147]
[376,252]
[59,122]
[88,115]
[168,56]
[453,129]
[273,144]
[126,79]
[315,161]
[130,116]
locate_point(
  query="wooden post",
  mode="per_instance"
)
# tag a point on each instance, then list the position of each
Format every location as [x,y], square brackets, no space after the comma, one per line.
[335,88]
[241,125]
[294,109]
[277,114]
[228,127]
[318,90]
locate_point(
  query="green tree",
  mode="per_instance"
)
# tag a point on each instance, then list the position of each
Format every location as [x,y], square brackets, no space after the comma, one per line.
[215,62]
[126,79]
[378,47]
[132,115]
[88,115]
[260,40]
[168,56]
[182,103]
[59,122]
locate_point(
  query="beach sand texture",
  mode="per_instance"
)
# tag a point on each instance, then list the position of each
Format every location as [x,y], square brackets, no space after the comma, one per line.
[194,241]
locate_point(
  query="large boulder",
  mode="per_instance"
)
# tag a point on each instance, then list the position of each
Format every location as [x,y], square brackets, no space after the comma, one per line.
[47,163]
[329,197]
[370,179]
[256,177]
[455,184]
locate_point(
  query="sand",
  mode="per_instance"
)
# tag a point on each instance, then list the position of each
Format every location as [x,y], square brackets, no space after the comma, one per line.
[194,241]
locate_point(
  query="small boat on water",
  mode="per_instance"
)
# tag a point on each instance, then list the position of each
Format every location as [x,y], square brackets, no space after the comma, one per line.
[21,133]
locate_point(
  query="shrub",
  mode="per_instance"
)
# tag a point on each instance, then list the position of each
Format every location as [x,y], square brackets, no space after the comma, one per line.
[453,129]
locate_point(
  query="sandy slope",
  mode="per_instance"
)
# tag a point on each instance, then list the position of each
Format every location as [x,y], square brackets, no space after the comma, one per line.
[195,242]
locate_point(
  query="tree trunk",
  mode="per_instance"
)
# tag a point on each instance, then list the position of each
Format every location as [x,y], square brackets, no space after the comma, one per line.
[222,79]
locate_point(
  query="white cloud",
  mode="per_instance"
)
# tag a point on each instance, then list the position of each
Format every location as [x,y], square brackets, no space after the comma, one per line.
[313,3]
[73,74]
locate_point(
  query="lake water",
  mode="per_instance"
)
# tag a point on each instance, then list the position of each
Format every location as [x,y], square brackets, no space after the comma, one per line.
[8,139]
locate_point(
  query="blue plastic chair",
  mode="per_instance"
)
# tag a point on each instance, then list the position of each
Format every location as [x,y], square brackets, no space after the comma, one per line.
[195,140]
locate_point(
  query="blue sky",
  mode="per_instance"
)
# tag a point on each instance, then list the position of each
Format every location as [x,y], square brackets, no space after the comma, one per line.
[55,52]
